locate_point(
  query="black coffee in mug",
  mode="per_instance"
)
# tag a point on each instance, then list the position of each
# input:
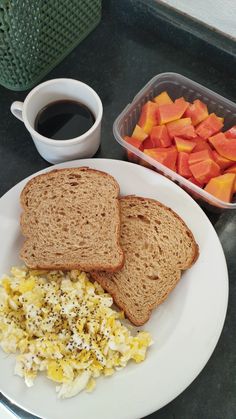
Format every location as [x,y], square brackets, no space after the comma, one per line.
[64,120]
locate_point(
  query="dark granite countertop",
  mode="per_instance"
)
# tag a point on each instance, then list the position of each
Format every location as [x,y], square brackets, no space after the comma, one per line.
[117,59]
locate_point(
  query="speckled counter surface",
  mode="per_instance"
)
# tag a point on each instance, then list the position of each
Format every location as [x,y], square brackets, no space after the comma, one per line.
[117,59]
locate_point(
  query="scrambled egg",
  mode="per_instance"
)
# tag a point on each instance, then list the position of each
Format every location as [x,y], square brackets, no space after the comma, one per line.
[63,324]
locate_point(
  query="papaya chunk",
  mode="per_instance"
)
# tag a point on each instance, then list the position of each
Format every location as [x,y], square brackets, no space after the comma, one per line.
[197,111]
[182,165]
[201,144]
[221,161]
[195,181]
[231,133]
[148,117]
[182,127]
[136,143]
[166,156]
[160,137]
[232,169]
[133,141]
[222,187]
[171,112]
[205,170]
[149,143]
[210,126]
[139,133]
[163,99]
[224,146]
[200,156]
[184,145]
[188,132]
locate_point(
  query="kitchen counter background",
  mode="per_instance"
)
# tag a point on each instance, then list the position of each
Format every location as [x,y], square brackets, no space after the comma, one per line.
[117,60]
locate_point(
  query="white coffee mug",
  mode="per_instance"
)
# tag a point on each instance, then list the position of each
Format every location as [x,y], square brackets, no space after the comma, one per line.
[55,151]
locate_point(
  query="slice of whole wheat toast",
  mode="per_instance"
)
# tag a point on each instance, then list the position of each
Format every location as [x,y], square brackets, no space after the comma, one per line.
[71,220]
[158,246]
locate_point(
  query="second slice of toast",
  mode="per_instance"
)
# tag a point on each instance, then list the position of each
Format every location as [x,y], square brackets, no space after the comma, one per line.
[158,246]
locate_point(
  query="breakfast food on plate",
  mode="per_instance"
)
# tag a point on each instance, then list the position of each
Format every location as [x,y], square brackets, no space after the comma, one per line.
[63,324]
[158,246]
[168,128]
[60,321]
[71,220]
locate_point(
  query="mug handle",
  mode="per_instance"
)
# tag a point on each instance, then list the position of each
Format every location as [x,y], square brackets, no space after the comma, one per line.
[16,109]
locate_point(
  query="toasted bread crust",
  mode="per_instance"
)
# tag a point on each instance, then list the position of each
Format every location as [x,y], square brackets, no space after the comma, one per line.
[31,182]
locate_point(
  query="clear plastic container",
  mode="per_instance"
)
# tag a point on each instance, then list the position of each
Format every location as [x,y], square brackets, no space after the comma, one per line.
[176,85]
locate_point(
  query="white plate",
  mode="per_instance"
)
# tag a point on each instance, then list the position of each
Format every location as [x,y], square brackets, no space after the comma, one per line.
[185,328]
